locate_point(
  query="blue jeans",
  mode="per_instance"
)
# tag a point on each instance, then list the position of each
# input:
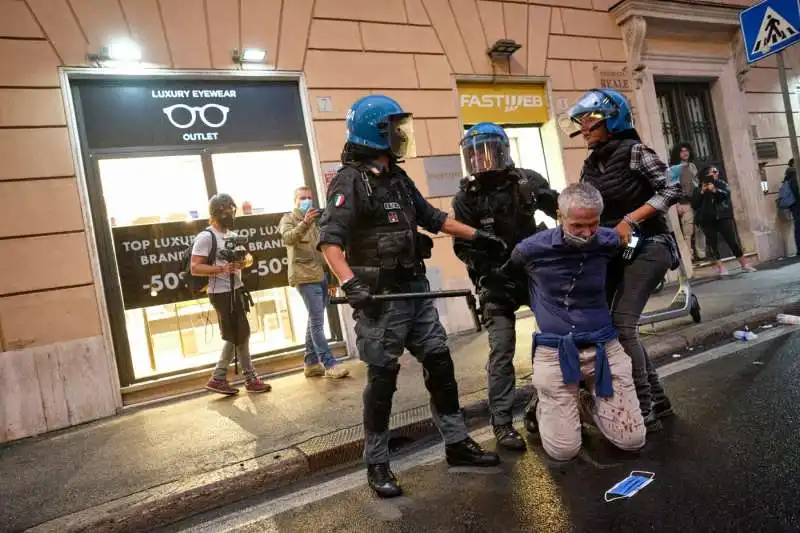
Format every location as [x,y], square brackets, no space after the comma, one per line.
[315,296]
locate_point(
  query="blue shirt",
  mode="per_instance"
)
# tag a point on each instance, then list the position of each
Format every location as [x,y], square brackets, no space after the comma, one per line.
[567,283]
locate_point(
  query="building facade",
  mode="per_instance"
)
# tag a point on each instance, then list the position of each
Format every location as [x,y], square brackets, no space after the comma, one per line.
[107,168]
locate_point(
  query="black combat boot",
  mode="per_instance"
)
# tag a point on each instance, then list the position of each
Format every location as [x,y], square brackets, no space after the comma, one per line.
[509,438]
[469,453]
[529,417]
[381,479]
[663,409]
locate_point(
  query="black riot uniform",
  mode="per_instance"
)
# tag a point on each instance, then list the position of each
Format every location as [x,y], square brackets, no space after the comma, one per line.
[503,203]
[373,215]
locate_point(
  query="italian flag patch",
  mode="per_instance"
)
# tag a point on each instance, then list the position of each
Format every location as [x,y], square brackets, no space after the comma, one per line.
[338,200]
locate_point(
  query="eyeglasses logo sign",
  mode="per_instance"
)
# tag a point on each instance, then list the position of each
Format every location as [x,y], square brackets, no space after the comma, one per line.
[209,116]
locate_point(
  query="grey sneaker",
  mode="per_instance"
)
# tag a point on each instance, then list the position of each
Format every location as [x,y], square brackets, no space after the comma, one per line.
[336,372]
[315,370]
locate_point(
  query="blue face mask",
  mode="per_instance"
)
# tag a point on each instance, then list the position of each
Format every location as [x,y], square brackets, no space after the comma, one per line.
[305,205]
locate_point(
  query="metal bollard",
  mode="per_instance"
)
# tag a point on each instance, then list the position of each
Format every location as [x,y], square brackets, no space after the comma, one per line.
[465,293]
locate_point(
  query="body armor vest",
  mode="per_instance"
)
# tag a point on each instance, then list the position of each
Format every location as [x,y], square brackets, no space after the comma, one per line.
[608,169]
[384,234]
[505,207]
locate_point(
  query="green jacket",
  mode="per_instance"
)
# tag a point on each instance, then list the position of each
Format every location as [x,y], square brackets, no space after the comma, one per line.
[306,264]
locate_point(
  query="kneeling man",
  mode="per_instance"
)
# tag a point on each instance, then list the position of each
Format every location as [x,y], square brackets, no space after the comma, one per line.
[566,269]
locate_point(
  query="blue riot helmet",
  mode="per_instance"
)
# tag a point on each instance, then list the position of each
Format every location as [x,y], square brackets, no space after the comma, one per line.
[486,148]
[379,123]
[597,107]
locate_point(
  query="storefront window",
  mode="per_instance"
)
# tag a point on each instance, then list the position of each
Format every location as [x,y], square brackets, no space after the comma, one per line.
[155,151]
[142,191]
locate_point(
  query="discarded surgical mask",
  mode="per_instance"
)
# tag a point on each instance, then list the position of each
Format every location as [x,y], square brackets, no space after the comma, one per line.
[636,481]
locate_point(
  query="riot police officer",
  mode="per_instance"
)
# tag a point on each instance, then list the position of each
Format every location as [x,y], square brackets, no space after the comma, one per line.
[502,199]
[369,237]
[637,192]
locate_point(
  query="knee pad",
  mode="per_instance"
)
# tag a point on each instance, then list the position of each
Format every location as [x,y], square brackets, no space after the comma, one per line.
[381,384]
[440,380]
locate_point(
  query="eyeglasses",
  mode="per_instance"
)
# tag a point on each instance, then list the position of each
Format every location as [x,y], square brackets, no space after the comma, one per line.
[194,112]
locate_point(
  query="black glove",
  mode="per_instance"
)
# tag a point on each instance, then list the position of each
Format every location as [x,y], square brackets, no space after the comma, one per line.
[358,293]
[493,243]
[497,290]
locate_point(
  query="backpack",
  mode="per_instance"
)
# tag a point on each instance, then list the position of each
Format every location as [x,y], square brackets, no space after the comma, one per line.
[197,285]
[786,198]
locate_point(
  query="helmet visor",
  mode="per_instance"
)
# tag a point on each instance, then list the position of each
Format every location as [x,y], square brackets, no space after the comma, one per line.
[484,154]
[589,112]
[401,136]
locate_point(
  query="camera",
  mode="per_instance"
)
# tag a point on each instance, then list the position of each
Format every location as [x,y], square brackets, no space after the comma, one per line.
[235,250]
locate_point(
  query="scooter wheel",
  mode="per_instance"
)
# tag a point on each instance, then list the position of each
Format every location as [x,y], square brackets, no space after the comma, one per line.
[694,309]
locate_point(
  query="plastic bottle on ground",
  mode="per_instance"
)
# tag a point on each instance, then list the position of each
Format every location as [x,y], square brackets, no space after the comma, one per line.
[788,319]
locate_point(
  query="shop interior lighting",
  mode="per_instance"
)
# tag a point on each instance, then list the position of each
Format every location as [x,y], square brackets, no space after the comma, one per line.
[122,51]
[250,55]
[503,49]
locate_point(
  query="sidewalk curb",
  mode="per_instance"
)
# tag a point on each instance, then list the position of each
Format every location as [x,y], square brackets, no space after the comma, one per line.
[181,499]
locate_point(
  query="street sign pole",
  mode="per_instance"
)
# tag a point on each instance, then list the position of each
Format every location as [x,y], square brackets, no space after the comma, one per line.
[787,107]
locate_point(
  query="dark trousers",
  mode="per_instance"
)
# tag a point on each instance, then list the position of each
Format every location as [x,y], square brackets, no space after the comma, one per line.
[628,287]
[796,217]
[725,228]
[500,367]
[381,339]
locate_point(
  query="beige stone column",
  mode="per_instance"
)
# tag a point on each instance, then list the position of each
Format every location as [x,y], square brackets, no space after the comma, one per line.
[733,123]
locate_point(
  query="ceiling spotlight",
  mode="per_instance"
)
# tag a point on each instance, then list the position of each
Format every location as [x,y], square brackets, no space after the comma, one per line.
[503,49]
[250,55]
[119,51]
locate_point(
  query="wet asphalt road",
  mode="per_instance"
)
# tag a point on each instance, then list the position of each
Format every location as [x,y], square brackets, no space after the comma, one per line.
[728,461]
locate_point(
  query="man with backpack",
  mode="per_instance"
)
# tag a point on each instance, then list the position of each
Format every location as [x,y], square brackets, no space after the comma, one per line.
[789,198]
[227,294]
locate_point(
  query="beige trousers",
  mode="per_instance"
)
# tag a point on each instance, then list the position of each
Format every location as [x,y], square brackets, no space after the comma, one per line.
[686,218]
[618,417]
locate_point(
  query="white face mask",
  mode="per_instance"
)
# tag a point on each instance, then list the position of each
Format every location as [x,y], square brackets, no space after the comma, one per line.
[576,240]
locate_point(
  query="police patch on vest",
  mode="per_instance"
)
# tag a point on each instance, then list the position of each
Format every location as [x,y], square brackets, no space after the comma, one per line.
[393,219]
[338,200]
[389,206]
[487,221]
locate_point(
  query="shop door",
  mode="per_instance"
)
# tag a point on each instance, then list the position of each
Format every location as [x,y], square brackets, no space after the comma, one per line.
[687,115]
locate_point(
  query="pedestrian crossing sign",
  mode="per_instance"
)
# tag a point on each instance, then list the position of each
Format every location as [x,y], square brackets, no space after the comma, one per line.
[769,27]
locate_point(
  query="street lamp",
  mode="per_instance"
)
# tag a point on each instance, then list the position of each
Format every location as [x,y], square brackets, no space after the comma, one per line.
[118,51]
[249,55]
[503,49]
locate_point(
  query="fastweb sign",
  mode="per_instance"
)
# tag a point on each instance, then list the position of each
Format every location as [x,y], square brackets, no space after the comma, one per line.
[503,103]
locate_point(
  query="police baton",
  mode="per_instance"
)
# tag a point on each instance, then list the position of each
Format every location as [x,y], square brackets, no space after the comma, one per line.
[464,293]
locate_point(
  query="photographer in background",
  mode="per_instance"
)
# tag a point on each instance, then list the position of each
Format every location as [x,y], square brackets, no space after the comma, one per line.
[300,232]
[227,293]
[714,214]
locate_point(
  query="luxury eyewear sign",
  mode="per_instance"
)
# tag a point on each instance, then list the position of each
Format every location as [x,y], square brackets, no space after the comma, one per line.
[212,116]
[162,112]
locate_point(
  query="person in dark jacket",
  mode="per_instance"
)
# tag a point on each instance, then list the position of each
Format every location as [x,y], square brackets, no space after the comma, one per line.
[637,192]
[501,199]
[370,239]
[714,214]
[791,177]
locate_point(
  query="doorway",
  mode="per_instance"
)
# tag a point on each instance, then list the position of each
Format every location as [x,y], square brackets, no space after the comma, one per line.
[687,115]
